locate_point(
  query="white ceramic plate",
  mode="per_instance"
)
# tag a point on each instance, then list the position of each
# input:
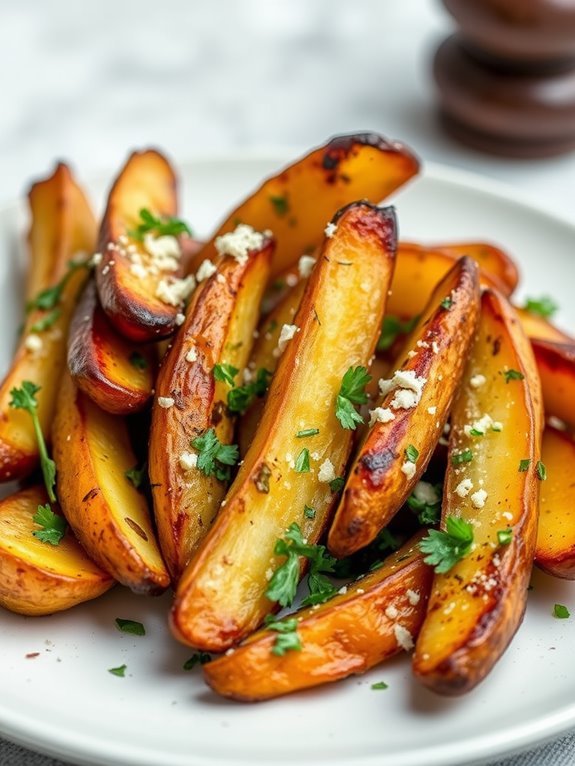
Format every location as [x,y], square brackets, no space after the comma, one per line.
[64,702]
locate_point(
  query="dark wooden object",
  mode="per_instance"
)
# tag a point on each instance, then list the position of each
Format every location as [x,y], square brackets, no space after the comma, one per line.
[506,79]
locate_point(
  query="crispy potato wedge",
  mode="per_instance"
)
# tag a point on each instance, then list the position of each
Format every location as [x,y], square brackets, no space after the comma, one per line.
[555,551]
[347,635]
[221,596]
[107,514]
[556,365]
[114,372]
[539,328]
[417,272]
[297,203]
[431,363]
[218,329]
[39,578]
[62,228]
[476,607]
[490,259]
[132,275]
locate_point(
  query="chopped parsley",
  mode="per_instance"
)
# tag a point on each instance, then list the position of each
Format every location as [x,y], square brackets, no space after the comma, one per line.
[337,484]
[242,397]
[197,658]
[119,671]
[130,626]
[225,373]
[445,549]
[46,322]
[544,307]
[280,204]
[462,457]
[411,453]
[287,638]
[302,461]
[447,303]
[215,458]
[53,526]
[309,512]
[161,227]
[392,328]
[428,513]
[138,361]
[505,536]
[352,391]
[137,474]
[379,685]
[513,375]
[541,471]
[524,465]
[561,612]
[49,298]
[307,432]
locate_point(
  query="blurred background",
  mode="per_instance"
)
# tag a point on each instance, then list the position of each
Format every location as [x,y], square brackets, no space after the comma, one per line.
[89,81]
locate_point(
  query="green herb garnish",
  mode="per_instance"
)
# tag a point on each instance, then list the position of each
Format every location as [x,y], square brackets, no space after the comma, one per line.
[225,373]
[505,536]
[287,638]
[307,432]
[130,626]
[280,204]
[302,461]
[161,227]
[513,375]
[561,612]
[393,327]
[241,398]
[49,298]
[379,685]
[445,549]
[544,307]
[119,671]
[46,322]
[309,512]
[215,458]
[138,361]
[411,453]
[337,484]
[541,471]
[447,303]
[53,526]
[198,658]
[524,465]
[137,474]
[462,457]
[352,391]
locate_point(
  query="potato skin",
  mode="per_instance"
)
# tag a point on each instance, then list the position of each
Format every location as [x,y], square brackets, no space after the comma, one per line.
[99,360]
[362,166]
[39,578]
[539,328]
[492,261]
[347,635]
[436,350]
[107,514]
[476,607]
[556,365]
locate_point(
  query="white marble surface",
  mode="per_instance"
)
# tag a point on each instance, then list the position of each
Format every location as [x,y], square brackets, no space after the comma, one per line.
[88,81]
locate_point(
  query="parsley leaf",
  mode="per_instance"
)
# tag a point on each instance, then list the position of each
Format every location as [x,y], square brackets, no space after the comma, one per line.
[391,328]
[379,685]
[130,626]
[428,513]
[53,526]
[46,322]
[447,303]
[462,457]
[445,549]
[119,671]
[215,458]
[137,474]
[505,536]
[524,465]
[307,432]
[411,453]
[242,397]
[24,398]
[337,484]
[352,391]
[513,375]
[302,461]
[544,307]
[197,658]
[309,512]
[287,638]
[541,471]
[561,612]
[225,373]
[161,227]
[50,297]
[280,204]
[138,361]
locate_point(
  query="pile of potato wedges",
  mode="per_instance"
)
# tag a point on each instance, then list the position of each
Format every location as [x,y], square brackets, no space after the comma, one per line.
[300,399]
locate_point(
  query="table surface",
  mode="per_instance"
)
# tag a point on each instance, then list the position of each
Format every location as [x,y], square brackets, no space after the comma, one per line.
[87,82]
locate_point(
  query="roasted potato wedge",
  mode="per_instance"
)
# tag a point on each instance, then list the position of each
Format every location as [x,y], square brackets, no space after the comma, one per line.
[218,330]
[221,596]
[139,280]
[106,512]
[114,372]
[62,228]
[476,607]
[36,577]
[413,408]
[556,365]
[539,328]
[297,203]
[555,551]
[377,617]
[490,259]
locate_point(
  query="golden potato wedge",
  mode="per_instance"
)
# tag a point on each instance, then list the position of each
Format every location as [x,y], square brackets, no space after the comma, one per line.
[218,330]
[139,278]
[492,483]
[418,270]
[490,259]
[297,203]
[36,577]
[221,596]
[377,617]
[115,373]
[106,512]
[62,228]
[555,551]
[413,408]
[556,365]
[539,328]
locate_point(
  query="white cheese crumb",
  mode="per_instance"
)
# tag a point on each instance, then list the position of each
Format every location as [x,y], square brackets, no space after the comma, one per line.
[408,468]
[391,612]
[188,460]
[360,591]
[380,415]
[305,265]
[477,381]
[291,280]
[96,259]
[478,498]
[206,270]
[180,319]
[343,590]
[425,493]
[432,410]
[403,637]
[161,248]
[165,401]
[435,347]
[220,278]
[330,230]
[410,388]
[404,399]
[411,354]
[105,270]
[497,426]
[413,596]
[287,333]
[240,242]
[422,344]
[326,471]
[464,488]
[176,291]
[138,270]
[192,355]
[33,343]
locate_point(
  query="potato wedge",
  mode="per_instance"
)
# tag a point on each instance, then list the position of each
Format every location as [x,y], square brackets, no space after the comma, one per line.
[297,203]
[555,551]
[476,607]
[139,280]
[221,596]
[539,328]
[418,270]
[39,578]
[114,372]
[218,329]
[414,407]
[62,228]
[490,259]
[107,514]
[556,365]
[376,618]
